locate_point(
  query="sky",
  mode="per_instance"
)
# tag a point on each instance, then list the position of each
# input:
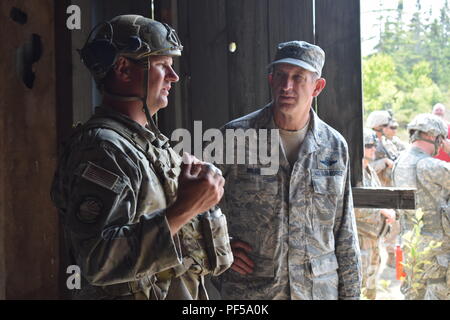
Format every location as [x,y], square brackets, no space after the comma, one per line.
[370,12]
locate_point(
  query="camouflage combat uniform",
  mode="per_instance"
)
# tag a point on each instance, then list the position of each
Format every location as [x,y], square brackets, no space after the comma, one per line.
[431,177]
[385,149]
[112,192]
[399,144]
[371,227]
[299,221]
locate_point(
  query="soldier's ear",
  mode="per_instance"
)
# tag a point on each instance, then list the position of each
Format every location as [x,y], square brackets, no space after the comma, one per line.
[320,85]
[122,69]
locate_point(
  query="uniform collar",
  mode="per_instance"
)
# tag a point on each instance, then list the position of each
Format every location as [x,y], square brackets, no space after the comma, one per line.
[313,139]
[149,133]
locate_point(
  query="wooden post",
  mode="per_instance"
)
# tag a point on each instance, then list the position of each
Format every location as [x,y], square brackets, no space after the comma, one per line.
[340,104]
[29,223]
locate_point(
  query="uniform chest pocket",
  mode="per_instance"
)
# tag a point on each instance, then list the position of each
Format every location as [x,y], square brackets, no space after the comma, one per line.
[327,187]
[253,184]
[328,181]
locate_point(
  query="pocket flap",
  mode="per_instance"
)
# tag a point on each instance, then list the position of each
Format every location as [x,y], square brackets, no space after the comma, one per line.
[324,264]
[328,181]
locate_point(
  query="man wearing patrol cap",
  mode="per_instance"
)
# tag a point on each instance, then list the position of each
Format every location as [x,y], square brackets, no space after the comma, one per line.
[138,222]
[416,168]
[372,224]
[294,233]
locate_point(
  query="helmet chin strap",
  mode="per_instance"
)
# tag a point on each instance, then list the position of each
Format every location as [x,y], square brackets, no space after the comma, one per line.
[435,143]
[143,99]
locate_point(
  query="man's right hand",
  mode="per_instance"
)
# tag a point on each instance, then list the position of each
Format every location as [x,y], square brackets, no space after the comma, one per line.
[200,187]
[242,263]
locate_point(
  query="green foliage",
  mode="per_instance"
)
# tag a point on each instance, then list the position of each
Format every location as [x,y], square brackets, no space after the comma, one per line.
[410,70]
[417,252]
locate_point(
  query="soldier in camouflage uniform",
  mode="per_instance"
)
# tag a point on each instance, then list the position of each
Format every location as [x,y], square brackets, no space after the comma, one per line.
[131,211]
[390,132]
[386,151]
[372,224]
[294,232]
[385,156]
[416,168]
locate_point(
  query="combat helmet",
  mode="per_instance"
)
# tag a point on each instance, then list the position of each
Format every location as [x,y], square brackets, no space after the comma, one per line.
[429,124]
[131,36]
[378,118]
[134,37]
[370,137]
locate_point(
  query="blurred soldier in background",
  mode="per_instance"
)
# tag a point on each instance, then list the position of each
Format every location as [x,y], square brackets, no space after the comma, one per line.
[372,224]
[385,155]
[439,110]
[390,132]
[417,168]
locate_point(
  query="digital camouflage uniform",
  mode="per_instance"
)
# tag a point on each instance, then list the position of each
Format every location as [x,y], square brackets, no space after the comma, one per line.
[299,221]
[112,193]
[114,180]
[371,227]
[385,149]
[431,177]
[399,144]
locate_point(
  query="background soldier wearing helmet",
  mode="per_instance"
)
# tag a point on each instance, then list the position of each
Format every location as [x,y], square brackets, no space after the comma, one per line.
[417,168]
[390,132]
[386,152]
[372,224]
[385,155]
[132,212]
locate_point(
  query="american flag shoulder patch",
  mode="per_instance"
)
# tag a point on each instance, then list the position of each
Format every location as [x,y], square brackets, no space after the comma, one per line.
[102,177]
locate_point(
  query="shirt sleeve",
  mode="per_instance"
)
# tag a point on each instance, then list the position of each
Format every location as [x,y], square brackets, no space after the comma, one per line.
[347,246]
[109,245]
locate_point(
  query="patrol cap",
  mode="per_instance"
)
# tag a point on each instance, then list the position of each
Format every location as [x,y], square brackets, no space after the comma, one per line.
[370,137]
[378,118]
[302,54]
[428,123]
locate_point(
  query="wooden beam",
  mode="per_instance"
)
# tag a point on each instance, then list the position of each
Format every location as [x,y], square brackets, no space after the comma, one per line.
[389,198]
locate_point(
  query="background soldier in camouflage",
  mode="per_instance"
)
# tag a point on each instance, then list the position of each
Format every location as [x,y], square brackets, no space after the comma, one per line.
[390,132]
[372,224]
[129,207]
[386,152]
[418,169]
[385,155]
[294,231]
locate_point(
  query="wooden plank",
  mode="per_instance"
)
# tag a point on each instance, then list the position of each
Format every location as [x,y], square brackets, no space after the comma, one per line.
[83,86]
[390,198]
[208,95]
[289,20]
[247,73]
[28,130]
[340,104]
[171,117]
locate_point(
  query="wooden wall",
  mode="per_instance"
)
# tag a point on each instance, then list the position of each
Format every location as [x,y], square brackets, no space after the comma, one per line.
[28,222]
[217,85]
